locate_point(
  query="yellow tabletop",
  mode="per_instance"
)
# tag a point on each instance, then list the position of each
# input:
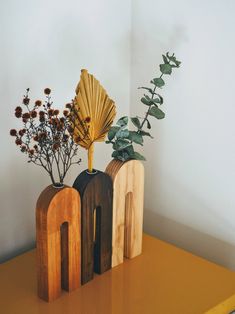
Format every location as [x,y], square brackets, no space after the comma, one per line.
[163,280]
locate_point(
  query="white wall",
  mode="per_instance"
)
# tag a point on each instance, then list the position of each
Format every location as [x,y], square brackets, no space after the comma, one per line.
[190,168]
[190,174]
[45,44]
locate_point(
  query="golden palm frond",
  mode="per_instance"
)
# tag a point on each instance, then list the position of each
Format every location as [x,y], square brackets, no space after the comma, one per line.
[94,113]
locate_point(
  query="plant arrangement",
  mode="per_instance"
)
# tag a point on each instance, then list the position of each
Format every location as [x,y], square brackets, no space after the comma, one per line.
[122,138]
[91,101]
[46,137]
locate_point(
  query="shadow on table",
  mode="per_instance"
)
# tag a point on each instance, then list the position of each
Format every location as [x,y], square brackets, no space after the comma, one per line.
[194,241]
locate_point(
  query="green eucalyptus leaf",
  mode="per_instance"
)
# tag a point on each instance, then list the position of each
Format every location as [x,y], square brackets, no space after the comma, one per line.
[122,155]
[165,68]
[148,89]
[148,98]
[157,113]
[125,156]
[145,101]
[158,82]
[122,134]
[173,59]
[143,133]
[138,156]
[136,122]
[152,101]
[130,150]
[114,146]
[115,154]
[122,121]
[136,137]
[158,100]
[148,124]
[112,132]
[165,59]
[121,144]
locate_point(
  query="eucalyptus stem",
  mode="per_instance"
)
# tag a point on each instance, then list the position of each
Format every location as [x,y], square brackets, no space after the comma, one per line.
[123,139]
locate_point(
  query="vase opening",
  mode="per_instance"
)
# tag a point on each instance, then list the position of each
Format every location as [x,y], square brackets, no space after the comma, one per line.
[93,171]
[58,185]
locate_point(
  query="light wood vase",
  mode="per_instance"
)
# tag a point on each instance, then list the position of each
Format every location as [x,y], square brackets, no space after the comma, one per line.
[58,241]
[128,198]
[96,192]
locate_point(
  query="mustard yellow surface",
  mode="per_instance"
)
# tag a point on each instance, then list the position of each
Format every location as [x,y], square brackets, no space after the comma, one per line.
[163,280]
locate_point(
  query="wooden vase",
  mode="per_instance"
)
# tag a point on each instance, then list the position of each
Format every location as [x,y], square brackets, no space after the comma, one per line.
[128,198]
[58,216]
[96,193]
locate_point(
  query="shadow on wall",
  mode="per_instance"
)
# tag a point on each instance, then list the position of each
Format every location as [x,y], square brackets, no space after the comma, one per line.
[18,195]
[196,242]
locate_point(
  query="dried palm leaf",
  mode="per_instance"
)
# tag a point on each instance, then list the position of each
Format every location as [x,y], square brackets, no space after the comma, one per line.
[94,114]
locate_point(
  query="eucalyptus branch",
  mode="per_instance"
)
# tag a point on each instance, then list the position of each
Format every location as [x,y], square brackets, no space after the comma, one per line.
[121,138]
[147,113]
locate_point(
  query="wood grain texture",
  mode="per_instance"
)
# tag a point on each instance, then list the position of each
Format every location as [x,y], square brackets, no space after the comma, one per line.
[58,217]
[96,192]
[128,198]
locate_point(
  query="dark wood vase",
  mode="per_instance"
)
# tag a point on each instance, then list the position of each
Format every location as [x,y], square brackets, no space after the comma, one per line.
[96,191]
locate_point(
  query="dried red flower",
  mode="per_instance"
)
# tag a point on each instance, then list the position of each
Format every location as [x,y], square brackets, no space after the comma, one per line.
[55,146]
[33,114]
[65,112]
[88,119]
[22,132]
[18,114]
[50,112]
[26,115]
[65,138]
[47,91]
[38,103]
[59,127]
[42,135]
[23,148]
[18,108]
[13,132]
[18,141]
[54,121]
[26,100]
